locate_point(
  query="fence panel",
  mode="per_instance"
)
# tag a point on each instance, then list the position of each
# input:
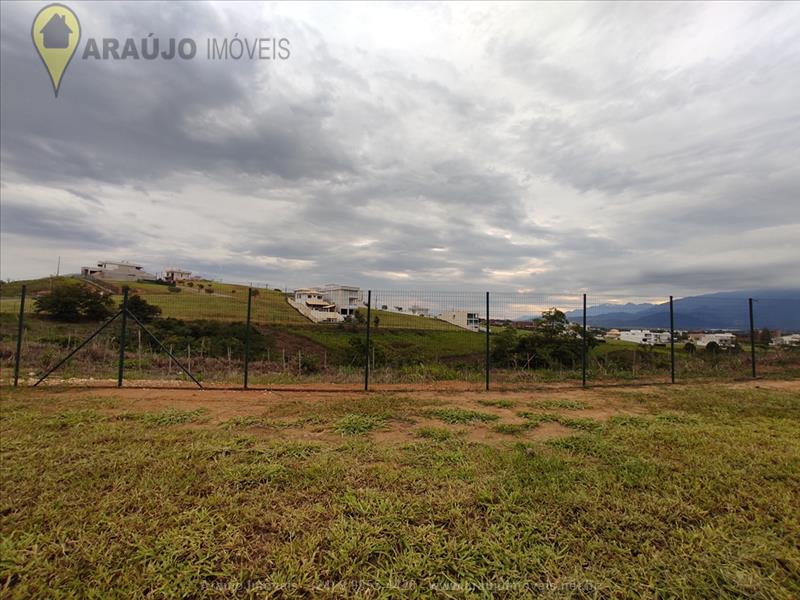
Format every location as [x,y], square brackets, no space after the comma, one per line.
[535,337]
[776,332]
[422,336]
[630,339]
[416,336]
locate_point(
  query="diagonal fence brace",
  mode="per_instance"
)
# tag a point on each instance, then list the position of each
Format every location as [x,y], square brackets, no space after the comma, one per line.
[71,354]
[160,345]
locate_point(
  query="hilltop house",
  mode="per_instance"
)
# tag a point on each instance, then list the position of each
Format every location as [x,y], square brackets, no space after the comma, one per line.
[311,303]
[173,275]
[117,271]
[462,318]
[346,298]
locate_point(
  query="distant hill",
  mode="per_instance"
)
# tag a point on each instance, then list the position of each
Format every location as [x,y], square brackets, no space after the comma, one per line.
[774,309]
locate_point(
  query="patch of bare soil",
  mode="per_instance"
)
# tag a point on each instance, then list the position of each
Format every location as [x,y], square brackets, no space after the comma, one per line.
[271,407]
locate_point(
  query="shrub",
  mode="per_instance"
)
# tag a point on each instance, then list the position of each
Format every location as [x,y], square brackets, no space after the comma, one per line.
[174,289]
[74,302]
[215,338]
[143,310]
[209,290]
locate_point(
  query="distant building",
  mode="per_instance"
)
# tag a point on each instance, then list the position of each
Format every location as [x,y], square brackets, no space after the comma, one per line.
[177,275]
[117,271]
[612,334]
[462,318]
[642,336]
[420,311]
[312,303]
[346,298]
[786,340]
[702,339]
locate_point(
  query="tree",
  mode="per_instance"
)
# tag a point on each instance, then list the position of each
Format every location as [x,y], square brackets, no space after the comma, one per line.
[554,342]
[764,337]
[143,310]
[376,321]
[553,322]
[75,302]
[504,345]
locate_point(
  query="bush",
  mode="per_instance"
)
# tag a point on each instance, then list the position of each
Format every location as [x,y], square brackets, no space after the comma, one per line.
[209,290]
[214,337]
[309,364]
[143,310]
[75,302]
[174,289]
[554,342]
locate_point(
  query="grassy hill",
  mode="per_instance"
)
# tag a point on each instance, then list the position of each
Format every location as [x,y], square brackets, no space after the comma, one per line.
[394,320]
[225,301]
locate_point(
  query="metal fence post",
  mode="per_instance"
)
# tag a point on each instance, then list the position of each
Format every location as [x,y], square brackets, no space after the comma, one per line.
[488,358]
[584,357]
[366,350]
[20,329]
[752,337]
[247,337]
[672,339]
[122,336]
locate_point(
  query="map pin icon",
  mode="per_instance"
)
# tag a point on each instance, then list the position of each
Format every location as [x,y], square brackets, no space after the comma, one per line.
[56,32]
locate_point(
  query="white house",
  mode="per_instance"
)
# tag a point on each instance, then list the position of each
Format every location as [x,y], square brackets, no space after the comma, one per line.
[644,336]
[462,318]
[346,298]
[420,311]
[312,303]
[176,275]
[723,340]
[787,340]
[117,271]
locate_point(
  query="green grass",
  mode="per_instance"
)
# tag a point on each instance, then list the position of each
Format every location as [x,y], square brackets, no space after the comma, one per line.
[164,418]
[355,424]
[534,419]
[695,497]
[511,428]
[498,403]
[563,404]
[456,416]
[437,434]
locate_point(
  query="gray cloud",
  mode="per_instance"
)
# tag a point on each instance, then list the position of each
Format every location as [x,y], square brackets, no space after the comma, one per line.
[633,149]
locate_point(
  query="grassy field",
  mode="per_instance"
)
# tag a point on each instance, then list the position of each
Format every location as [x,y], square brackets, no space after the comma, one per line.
[690,491]
[226,302]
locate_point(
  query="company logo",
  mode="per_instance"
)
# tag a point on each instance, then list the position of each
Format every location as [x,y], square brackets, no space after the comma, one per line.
[56,32]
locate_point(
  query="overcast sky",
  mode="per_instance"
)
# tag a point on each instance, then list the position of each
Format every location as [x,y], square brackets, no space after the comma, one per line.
[631,149]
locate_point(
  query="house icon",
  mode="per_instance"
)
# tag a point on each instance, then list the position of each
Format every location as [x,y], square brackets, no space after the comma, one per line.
[56,33]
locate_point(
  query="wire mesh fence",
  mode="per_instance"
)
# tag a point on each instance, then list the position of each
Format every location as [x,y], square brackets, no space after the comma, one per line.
[224,334]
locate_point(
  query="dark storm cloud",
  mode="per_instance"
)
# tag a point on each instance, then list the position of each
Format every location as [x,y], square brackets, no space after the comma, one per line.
[122,121]
[54,226]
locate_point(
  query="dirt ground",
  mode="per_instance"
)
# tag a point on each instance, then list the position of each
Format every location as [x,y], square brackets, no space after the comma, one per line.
[311,414]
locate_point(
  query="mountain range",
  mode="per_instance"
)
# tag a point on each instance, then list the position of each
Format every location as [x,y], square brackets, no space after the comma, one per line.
[772,308]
